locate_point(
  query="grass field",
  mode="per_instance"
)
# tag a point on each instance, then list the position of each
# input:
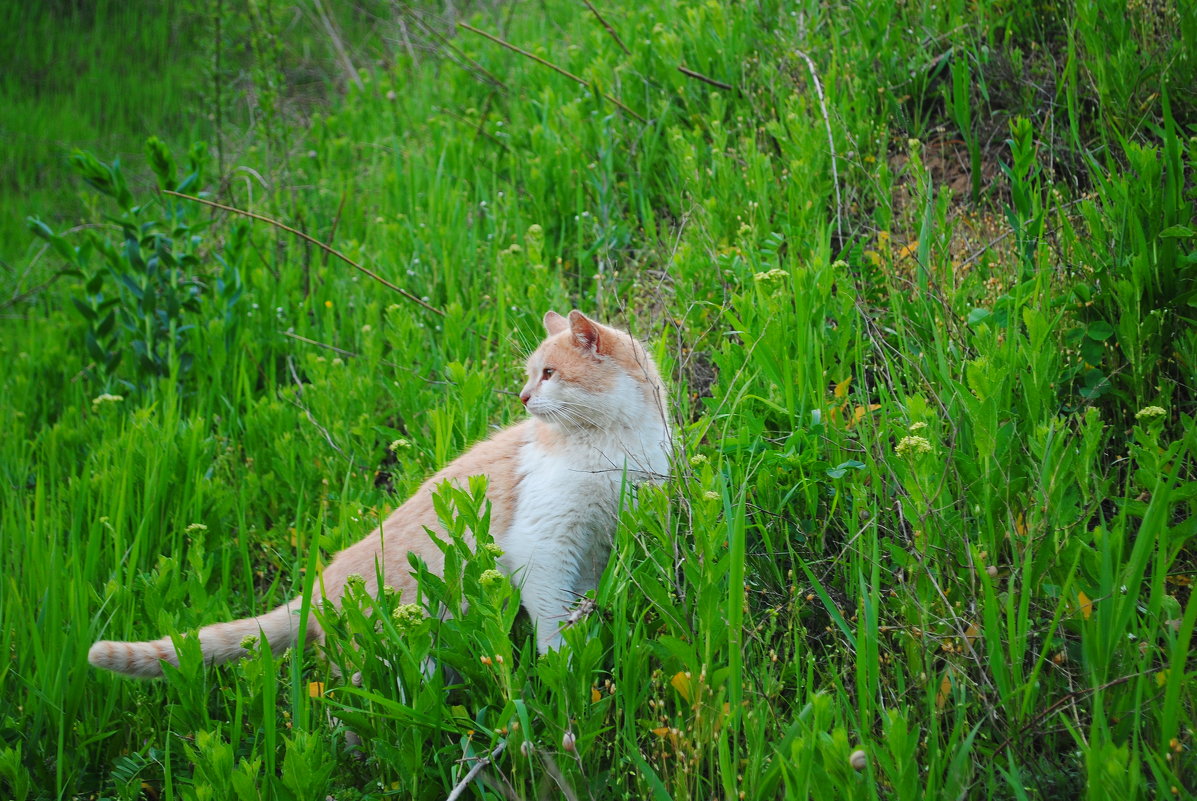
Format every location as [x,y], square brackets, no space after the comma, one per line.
[923,276]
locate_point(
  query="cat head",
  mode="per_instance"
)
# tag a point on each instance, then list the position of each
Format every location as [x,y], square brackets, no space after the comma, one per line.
[588,375]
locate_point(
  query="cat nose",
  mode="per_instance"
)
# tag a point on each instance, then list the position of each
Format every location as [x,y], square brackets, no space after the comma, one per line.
[524,396]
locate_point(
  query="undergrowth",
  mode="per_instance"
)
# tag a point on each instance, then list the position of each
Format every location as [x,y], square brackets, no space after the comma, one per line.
[922,277]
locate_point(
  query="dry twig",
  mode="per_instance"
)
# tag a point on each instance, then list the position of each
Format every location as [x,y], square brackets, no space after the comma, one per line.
[607,25]
[482,762]
[615,100]
[704,78]
[835,173]
[327,248]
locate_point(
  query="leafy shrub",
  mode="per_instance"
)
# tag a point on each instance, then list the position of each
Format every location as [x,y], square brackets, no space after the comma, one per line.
[146,291]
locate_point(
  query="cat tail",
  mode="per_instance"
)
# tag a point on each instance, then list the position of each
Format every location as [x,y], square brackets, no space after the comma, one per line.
[220,642]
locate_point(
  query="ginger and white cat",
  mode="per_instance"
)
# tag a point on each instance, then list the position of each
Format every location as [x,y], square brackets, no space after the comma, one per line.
[598,421]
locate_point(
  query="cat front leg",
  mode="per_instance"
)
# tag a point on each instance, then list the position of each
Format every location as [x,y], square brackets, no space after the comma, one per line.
[546,577]
[543,595]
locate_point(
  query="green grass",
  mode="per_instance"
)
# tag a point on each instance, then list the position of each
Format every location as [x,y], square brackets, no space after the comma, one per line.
[923,505]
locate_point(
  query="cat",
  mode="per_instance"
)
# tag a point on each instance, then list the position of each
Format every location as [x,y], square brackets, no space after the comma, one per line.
[598,421]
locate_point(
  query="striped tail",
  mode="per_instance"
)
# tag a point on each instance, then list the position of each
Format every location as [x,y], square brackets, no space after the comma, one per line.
[221,642]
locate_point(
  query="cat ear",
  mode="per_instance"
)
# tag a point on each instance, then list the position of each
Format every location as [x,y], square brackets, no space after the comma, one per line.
[585,331]
[554,323]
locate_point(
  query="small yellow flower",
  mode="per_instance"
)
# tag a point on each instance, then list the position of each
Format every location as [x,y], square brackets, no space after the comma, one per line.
[407,616]
[913,446]
[711,495]
[491,579]
[328,304]
[771,277]
[918,426]
[398,444]
[195,527]
[494,550]
[1150,412]
[697,459]
[249,642]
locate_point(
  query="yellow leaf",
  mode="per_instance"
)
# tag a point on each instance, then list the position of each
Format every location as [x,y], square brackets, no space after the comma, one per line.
[945,689]
[315,688]
[1085,604]
[841,389]
[1020,525]
[908,250]
[666,733]
[971,633]
[681,683]
[859,412]
[595,695]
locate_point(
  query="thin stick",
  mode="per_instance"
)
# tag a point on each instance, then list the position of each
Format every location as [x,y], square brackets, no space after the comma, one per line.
[298,402]
[479,131]
[698,75]
[835,174]
[338,45]
[350,354]
[470,64]
[332,232]
[15,299]
[607,25]
[314,241]
[1064,701]
[616,101]
[460,787]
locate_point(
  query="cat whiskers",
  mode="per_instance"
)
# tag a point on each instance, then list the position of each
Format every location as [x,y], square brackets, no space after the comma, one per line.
[566,412]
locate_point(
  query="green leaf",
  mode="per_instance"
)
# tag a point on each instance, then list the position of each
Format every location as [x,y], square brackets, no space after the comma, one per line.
[132,286]
[1099,330]
[55,241]
[650,775]
[93,347]
[1178,232]
[978,316]
[840,470]
[161,162]
[106,325]
[87,311]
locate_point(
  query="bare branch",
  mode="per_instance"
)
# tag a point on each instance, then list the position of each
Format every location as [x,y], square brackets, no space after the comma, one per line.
[327,249]
[616,101]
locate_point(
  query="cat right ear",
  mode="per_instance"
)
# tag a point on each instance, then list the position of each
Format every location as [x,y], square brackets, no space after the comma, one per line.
[554,323]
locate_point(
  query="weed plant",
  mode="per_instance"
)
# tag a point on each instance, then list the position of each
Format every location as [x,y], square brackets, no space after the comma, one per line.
[930,533]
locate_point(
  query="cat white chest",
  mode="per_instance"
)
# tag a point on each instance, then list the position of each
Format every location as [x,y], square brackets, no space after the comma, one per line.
[568,507]
[568,494]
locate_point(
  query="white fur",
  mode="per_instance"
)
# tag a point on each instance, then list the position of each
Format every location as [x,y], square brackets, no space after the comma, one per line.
[561,533]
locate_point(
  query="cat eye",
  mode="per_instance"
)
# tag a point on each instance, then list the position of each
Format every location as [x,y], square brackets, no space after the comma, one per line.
[547,374]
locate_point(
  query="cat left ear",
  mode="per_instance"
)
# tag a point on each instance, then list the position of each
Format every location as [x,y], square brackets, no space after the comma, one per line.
[554,323]
[585,331]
